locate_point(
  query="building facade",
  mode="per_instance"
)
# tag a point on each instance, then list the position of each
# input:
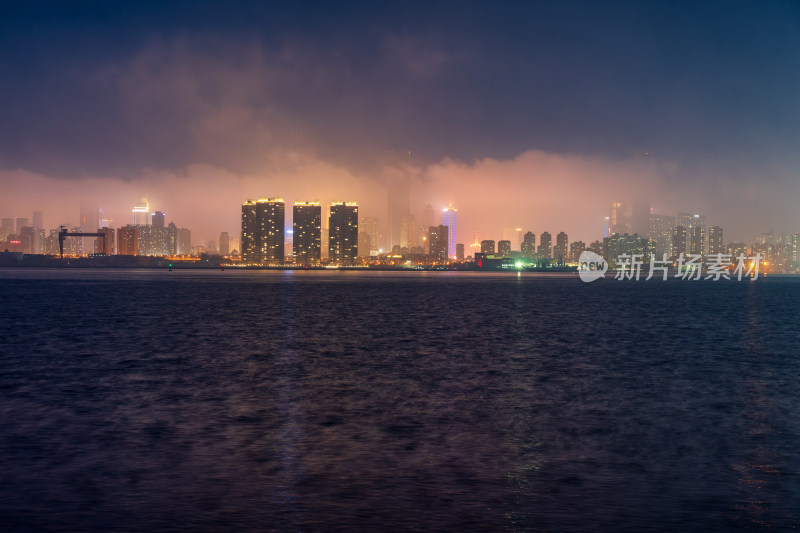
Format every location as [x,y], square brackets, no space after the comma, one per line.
[343,233]
[307,233]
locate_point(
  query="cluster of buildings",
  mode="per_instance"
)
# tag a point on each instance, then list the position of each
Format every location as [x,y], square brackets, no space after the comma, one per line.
[264,236]
[333,234]
[149,235]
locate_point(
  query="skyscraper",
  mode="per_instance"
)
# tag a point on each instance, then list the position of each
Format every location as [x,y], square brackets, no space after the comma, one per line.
[158,219]
[249,232]
[504,248]
[307,233]
[428,220]
[715,243]
[487,247]
[660,235]
[271,221]
[679,241]
[38,219]
[399,192]
[575,250]
[449,219]
[545,245]
[528,246]
[104,245]
[183,245]
[141,214]
[697,240]
[343,236]
[224,243]
[263,231]
[619,220]
[437,242]
[369,226]
[6,227]
[408,230]
[561,249]
[128,240]
[459,252]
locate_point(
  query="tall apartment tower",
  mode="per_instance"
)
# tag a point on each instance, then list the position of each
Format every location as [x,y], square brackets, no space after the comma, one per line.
[679,241]
[660,234]
[307,232]
[449,219]
[504,248]
[561,250]
[546,245]
[437,242]
[343,233]
[715,243]
[263,231]
[528,246]
[224,243]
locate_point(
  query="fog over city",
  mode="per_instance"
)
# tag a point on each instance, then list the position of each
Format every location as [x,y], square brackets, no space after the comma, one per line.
[535,117]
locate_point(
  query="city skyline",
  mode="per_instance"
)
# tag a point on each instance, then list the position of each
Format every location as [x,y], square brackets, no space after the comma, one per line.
[503,113]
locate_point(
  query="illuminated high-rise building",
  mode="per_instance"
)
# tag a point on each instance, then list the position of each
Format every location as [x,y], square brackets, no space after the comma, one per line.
[619,220]
[662,228]
[437,242]
[487,247]
[528,246]
[715,243]
[575,250]
[679,241]
[307,233]
[545,245]
[141,214]
[343,236]
[697,240]
[128,240]
[249,232]
[561,249]
[450,219]
[271,222]
[504,248]
[104,245]
[263,231]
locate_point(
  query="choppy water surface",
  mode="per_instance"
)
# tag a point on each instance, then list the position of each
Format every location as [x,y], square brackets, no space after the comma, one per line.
[211,401]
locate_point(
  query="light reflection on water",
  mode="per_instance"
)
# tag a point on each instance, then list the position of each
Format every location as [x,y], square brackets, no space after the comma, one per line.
[147,400]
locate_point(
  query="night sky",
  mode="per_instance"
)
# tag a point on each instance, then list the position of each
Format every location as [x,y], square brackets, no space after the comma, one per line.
[524,114]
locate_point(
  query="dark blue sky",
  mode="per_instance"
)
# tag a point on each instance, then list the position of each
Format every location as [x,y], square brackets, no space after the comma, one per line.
[713,84]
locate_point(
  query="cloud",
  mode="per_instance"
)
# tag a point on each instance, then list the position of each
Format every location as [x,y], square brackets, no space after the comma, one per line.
[536,191]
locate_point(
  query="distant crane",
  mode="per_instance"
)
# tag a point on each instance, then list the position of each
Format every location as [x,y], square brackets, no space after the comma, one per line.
[63,234]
